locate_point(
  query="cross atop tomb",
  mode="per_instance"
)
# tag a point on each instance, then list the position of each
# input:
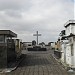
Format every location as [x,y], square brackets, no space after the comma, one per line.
[37,36]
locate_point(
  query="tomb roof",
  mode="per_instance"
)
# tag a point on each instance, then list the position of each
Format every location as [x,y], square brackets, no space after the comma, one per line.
[9,33]
[70,22]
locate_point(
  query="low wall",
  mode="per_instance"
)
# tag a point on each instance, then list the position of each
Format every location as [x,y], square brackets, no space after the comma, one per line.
[58,54]
[37,49]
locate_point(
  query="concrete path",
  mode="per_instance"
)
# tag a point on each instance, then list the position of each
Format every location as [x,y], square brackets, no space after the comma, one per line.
[39,63]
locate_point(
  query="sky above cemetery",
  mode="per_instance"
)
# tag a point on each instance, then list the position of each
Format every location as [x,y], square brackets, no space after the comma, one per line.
[25,17]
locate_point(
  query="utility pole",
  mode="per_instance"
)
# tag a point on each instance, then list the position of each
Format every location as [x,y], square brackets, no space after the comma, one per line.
[37,36]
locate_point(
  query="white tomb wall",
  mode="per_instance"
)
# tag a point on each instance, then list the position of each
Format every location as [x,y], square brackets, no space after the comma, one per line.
[68,55]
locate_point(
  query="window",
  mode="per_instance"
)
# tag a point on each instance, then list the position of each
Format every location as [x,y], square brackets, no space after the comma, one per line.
[1,39]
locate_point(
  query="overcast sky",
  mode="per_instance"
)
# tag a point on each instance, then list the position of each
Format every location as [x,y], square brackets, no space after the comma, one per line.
[25,17]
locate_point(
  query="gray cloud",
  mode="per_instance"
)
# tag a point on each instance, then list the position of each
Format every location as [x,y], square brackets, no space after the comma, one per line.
[25,17]
[14,4]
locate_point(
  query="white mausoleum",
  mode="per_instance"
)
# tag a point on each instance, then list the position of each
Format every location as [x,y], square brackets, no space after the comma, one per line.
[68,44]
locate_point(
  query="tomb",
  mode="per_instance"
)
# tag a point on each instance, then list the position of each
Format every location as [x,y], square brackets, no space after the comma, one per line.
[7,48]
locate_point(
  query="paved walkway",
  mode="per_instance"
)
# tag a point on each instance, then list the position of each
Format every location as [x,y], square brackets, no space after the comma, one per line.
[39,63]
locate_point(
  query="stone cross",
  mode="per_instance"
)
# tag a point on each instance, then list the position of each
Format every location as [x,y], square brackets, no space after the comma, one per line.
[37,36]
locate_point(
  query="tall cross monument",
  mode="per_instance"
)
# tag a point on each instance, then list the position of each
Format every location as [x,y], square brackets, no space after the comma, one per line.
[37,36]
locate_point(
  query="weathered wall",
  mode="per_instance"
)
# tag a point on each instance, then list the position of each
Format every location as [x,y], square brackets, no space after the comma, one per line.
[3,55]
